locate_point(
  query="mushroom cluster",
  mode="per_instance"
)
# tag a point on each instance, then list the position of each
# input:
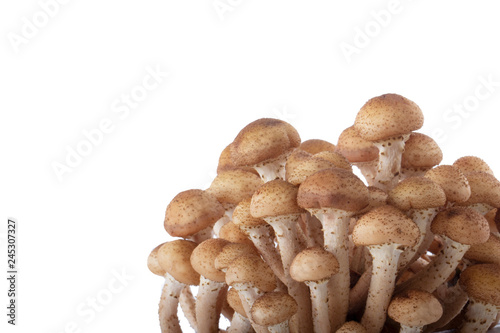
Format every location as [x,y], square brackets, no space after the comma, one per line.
[288,238]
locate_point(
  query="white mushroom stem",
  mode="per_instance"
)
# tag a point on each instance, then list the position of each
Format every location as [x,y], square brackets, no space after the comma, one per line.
[478,317]
[319,299]
[389,161]
[313,230]
[482,208]
[188,306]
[167,310]
[248,296]
[220,223]
[201,235]
[285,229]
[368,170]
[272,169]
[240,324]
[439,269]
[385,265]
[206,305]
[423,219]
[359,293]
[263,241]
[336,235]
[279,328]
[410,329]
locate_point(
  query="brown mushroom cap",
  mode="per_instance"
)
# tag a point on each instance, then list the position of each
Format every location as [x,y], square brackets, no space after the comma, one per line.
[243,217]
[378,197]
[482,283]
[313,264]
[230,252]
[262,140]
[487,252]
[461,224]
[174,257]
[226,163]
[417,193]
[415,308]
[333,188]
[452,180]
[351,327]
[232,186]
[314,146]
[383,225]
[338,160]
[191,211]
[275,198]
[153,264]
[387,116]
[234,301]
[301,165]
[355,148]
[485,188]
[203,258]
[469,164]
[232,233]
[273,308]
[251,270]
[421,151]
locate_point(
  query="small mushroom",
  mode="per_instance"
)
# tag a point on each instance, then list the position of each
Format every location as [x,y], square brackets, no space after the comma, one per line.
[468,164]
[352,327]
[452,181]
[420,155]
[485,191]
[315,266]
[414,310]
[482,284]
[273,310]
[314,146]
[239,322]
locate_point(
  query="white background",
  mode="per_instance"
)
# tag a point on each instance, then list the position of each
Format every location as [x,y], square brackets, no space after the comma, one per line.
[258,59]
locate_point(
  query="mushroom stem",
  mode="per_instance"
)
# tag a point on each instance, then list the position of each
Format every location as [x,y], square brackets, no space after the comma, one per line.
[201,235]
[440,268]
[319,299]
[167,310]
[240,324]
[206,305]
[188,306]
[248,296]
[385,264]
[336,234]
[478,317]
[272,169]
[410,329]
[261,237]
[279,328]
[220,223]
[482,208]
[368,170]
[389,161]
[359,293]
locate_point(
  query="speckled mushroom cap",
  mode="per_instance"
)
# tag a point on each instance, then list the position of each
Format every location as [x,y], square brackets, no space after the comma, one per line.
[243,217]
[232,251]
[415,308]
[191,211]
[351,327]
[468,164]
[417,193]
[262,140]
[251,270]
[203,258]
[485,188]
[226,163]
[300,166]
[153,264]
[338,160]
[275,198]
[273,308]
[232,233]
[385,225]
[387,116]
[333,188]
[378,197]
[174,256]
[313,264]
[421,151]
[232,186]
[314,146]
[482,283]
[461,224]
[487,252]
[355,148]
[452,180]
[234,301]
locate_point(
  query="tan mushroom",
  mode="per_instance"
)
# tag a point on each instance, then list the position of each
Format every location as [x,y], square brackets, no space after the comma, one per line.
[493,218]
[274,310]
[352,327]
[315,266]
[452,181]
[468,164]
[239,322]
[487,252]
[264,145]
[420,155]
[314,146]
[485,191]
[386,231]
[333,196]
[387,121]
[482,284]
